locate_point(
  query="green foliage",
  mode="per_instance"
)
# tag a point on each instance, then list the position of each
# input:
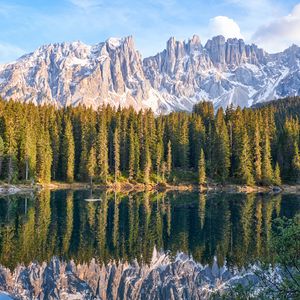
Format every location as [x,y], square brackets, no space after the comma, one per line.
[68,152]
[278,275]
[44,158]
[267,171]
[202,168]
[296,163]
[245,168]
[239,145]
[277,177]
[116,150]
[92,163]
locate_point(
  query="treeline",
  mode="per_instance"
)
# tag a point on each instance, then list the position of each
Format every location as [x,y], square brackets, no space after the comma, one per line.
[249,146]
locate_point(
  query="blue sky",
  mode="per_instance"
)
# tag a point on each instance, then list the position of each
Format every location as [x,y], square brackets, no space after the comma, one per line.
[25,25]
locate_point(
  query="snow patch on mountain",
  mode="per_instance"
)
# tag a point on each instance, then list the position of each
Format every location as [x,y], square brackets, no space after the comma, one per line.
[186,72]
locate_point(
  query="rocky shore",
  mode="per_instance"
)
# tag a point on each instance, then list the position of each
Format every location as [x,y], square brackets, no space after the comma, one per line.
[7,189]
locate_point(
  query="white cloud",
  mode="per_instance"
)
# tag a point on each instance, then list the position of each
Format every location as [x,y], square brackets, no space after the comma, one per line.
[9,52]
[280,33]
[222,25]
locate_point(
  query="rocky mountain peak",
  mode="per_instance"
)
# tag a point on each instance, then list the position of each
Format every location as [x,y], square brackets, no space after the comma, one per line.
[113,72]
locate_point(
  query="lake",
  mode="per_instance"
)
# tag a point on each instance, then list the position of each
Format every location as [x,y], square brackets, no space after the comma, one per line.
[57,245]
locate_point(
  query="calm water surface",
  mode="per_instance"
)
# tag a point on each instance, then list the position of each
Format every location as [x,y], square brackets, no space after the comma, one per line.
[234,228]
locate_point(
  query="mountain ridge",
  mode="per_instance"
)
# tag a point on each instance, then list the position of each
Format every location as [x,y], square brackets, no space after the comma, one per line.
[114,72]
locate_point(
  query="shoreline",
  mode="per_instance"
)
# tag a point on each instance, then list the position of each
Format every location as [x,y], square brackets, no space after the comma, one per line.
[126,187]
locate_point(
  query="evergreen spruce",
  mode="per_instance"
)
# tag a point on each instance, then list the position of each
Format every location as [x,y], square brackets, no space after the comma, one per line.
[46,143]
[2,151]
[131,153]
[277,177]
[201,168]
[245,168]
[102,149]
[169,158]
[44,157]
[91,165]
[221,151]
[116,154]
[267,171]
[257,154]
[10,146]
[296,163]
[68,151]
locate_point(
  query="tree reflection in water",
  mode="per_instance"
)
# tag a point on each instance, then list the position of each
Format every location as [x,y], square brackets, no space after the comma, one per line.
[235,228]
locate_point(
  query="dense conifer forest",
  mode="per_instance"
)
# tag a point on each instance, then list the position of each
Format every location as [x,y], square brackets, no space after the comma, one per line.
[246,146]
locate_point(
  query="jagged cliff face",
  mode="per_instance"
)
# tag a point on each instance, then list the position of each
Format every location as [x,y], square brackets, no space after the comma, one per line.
[164,278]
[72,74]
[113,72]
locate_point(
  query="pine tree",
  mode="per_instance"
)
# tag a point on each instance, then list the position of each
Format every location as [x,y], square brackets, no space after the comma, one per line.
[221,152]
[169,158]
[159,149]
[10,146]
[147,166]
[131,153]
[201,168]
[245,168]
[84,146]
[183,139]
[102,148]
[44,157]
[55,146]
[28,151]
[277,178]
[116,154]
[2,151]
[296,163]
[92,163]
[68,151]
[257,154]
[267,171]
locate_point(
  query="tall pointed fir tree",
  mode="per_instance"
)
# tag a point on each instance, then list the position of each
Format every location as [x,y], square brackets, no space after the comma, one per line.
[91,164]
[245,167]
[169,158]
[44,157]
[257,153]
[267,171]
[159,149]
[131,166]
[54,130]
[67,151]
[183,139]
[102,152]
[296,163]
[221,153]
[201,168]
[147,161]
[10,146]
[277,177]
[116,154]
[28,151]
[2,151]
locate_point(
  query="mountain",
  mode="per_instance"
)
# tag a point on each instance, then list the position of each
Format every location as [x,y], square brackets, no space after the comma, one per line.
[163,278]
[113,72]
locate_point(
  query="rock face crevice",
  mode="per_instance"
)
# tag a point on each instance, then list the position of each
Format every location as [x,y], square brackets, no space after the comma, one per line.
[113,72]
[163,278]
